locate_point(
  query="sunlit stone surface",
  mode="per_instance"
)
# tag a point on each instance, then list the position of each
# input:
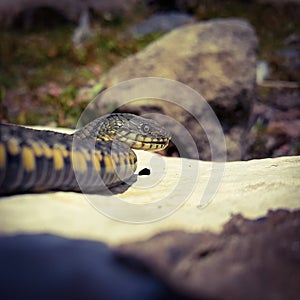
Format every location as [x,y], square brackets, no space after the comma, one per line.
[173,193]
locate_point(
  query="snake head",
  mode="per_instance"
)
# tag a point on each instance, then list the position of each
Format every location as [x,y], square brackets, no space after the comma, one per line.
[135,131]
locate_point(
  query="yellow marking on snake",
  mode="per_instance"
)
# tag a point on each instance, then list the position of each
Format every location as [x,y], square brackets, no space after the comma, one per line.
[147,140]
[147,146]
[79,163]
[65,152]
[132,159]
[138,144]
[13,146]
[37,149]
[47,151]
[106,138]
[58,159]
[86,155]
[98,156]
[28,159]
[96,163]
[19,146]
[108,164]
[62,148]
[131,136]
[2,156]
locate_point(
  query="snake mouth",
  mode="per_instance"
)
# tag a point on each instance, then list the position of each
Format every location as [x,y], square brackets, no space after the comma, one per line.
[148,144]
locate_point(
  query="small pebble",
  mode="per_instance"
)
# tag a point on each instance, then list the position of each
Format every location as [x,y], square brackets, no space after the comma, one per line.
[144,171]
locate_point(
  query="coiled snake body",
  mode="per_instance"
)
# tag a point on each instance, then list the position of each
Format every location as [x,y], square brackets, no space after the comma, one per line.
[94,157]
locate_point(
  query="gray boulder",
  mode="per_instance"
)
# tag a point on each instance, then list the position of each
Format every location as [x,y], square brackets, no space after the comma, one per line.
[217,59]
[45,266]
[161,22]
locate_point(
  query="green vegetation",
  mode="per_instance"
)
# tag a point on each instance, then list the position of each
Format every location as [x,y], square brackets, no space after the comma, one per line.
[44,67]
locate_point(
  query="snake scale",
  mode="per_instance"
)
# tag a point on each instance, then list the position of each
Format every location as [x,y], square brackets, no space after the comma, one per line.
[95,156]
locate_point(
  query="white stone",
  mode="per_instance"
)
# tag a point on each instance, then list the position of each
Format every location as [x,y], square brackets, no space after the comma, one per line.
[247,187]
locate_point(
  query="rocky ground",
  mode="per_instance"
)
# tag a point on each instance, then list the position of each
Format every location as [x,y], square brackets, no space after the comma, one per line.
[276,120]
[191,229]
[248,259]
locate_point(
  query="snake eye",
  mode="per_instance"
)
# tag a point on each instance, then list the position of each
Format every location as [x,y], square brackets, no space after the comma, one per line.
[145,128]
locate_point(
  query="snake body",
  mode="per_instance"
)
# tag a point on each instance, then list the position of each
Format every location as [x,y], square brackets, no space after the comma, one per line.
[94,157]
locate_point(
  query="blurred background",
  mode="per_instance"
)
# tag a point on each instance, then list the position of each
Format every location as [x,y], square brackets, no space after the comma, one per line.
[53,55]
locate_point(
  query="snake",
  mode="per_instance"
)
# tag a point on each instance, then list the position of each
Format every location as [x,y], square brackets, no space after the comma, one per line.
[96,156]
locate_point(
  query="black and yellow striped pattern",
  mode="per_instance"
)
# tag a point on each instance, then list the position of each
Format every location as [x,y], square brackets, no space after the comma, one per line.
[33,160]
[34,165]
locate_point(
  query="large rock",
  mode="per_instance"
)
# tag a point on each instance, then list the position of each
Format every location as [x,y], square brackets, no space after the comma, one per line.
[217,59]
[250,259]
[52,267]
